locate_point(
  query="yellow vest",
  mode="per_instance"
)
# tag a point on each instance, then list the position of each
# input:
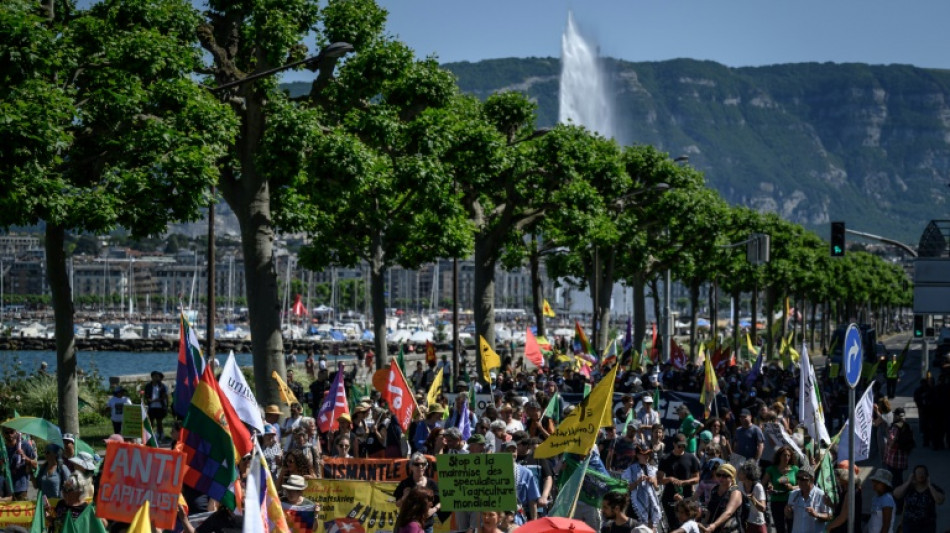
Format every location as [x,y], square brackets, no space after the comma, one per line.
[892,368]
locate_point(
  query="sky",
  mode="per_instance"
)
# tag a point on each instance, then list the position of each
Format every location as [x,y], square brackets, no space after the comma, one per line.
[731,32]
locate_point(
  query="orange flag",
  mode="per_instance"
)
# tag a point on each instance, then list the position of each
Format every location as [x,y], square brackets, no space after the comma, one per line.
[430,353]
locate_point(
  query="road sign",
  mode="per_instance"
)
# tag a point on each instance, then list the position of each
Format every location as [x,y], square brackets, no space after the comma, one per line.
[853,355]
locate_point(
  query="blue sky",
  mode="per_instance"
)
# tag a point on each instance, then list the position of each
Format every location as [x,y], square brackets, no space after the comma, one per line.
[732,32]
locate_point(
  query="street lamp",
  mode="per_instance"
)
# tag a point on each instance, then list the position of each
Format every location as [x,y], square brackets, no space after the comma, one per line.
[333,51]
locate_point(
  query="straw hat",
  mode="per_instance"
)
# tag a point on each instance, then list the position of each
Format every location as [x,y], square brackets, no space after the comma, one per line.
[294,482]
[272,410]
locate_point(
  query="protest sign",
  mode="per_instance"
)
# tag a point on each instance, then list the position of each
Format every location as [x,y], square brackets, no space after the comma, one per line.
[133,474]
[353,506]
[17,514]
[132,421]
[367,469]
[578,431]
[477,482]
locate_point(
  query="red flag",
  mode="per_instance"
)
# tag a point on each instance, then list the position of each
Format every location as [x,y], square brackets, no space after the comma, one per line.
[298,309]
[430,353]
[398,396]
[239,432]
[654,352]
[333,405]
[531,349]
[723,359]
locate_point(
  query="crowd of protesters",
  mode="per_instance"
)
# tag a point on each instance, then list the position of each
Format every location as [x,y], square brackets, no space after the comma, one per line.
[724,470]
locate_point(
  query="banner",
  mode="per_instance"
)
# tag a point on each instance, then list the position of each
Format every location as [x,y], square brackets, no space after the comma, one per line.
[863,417]
[477,482]
[239,393]
[578,432]
[350,506]
[17,514]
[132,421]
[132,474]
[367,469]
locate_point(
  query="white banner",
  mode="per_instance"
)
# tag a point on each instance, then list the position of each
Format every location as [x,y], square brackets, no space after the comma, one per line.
[810,408]
[235,387]
[863,417]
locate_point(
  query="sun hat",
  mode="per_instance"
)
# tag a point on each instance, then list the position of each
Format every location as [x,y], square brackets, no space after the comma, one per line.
[806,470]
[882,476]
[727,469]
[272,410]
[270,429]
[294,482]
[509,444]
[160,375]
[115,437]
[70,437]
[436,408]
[345,417]
[477,438]
[84,460]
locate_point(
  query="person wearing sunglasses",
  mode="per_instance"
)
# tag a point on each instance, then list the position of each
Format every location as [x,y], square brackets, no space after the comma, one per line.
[722,512]
[418,466]
[679,471]
[641,481]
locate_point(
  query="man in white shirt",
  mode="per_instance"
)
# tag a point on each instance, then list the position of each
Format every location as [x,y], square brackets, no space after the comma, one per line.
[806,504]
[648,417]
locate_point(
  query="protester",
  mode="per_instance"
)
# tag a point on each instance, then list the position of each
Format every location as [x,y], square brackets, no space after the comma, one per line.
[613,509]
[749,440]
[22,461]
[754,493]
[780,479]
[883,507]
[156,394]
[293,494]
[921,498]
[898,445]
[490,520]
[679,472]
[688,512]
[806,504]
[641,481]
[116,405]
[722,511]
[52,475]
[415,510]
[406,490]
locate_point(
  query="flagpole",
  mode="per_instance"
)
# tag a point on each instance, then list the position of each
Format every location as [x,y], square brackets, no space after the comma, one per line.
[580,485]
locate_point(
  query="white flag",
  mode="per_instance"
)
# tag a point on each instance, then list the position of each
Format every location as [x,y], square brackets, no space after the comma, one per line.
[810,410]
[863,417]
[253,515]
[235,387]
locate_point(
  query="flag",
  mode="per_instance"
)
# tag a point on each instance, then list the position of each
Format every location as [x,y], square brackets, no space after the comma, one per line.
[581,338]
[209,448]
[333,405]
[710,387]
[38,525]
[465,421]
[190,367]
[595,484]
[553,410]
[810,409]
[826,479]
[255,488]
[629,419]
[430,353]
[141,523]
[532,351]
[863,417]
[586,390]
[398,396]
[240,435]
[566,500]
[609,356]
[578,432]
[678,355]
[546,309]
[756,370]
[6,471]
[654,350]
[275,520]
[286,395]
[299,309]
[234,386]
[86,522]
[748,341]
[432,397]
[148,435]
[490,359]
[401,360]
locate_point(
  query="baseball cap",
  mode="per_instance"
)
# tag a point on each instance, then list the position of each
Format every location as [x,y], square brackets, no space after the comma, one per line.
[477,438]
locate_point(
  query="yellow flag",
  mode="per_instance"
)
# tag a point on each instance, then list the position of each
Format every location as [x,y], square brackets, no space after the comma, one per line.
[142,523]
[490,359]
[286,395]
[546,310]
[436,388]
[578,432]
[752,350]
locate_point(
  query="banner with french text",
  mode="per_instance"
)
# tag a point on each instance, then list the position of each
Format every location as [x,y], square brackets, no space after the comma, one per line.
[477,482]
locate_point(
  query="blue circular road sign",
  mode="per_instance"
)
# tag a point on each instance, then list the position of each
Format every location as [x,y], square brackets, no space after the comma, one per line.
[853,355]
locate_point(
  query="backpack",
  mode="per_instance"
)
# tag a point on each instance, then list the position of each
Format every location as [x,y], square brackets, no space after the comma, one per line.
[905,438]
[745,508]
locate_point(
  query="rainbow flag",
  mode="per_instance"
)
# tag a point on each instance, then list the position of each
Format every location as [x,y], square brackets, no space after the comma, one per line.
[209,449]
[190,367]
[583,348]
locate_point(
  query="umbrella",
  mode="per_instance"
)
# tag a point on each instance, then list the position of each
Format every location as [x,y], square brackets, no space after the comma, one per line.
[550,524]
[38,427]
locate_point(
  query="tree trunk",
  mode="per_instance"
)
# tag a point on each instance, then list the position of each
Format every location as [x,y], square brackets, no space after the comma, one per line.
[714,314]
[484,293]
[249,197]
[377,290]
[605,281]
[655,287]
[814,323]
[694,309]
[736,295]
[537,287]
[639,312]
[769,322]
[753,327]
[68,409]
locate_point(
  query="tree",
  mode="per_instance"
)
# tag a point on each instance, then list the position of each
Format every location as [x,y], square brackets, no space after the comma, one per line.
[373,188]
[103,127]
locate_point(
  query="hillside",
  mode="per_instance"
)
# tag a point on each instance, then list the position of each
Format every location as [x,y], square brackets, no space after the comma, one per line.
[866,144]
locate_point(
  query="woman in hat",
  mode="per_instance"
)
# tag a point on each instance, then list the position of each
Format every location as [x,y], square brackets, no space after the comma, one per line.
[273,453]
[53,474]
[293,488]
[361,430]
[84,466]
[345,431]
[883,507]
[722,511]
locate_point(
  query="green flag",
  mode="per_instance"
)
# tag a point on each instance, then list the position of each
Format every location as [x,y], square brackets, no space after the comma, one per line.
[39,515]
[594,485]
[656,397]
[6,468]
[623,428]
[553,410]
[586,389]
[401,360]
[148,436]
[826,478]
[85,523]
[566,500]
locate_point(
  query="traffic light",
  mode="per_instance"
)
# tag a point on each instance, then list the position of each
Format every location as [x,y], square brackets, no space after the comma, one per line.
[918,326]
[837,239]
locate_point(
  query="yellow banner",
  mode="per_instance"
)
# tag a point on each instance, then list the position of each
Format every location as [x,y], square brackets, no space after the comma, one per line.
[490,359]
[17,514]
[433,395]
[351,506]
[578,432]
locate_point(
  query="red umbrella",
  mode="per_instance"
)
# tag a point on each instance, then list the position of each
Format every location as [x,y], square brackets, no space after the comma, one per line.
[550,524]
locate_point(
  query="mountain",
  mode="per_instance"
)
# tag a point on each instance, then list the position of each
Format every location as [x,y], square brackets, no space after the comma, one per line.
[866,144]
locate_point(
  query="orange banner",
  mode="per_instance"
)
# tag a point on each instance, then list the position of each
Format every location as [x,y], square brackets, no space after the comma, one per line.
[17,514]
[132,474]
[368,469]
